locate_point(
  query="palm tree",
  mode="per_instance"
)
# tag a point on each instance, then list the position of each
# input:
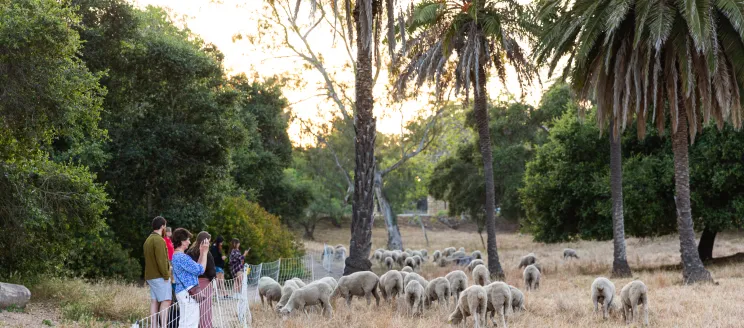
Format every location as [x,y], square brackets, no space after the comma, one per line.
[483,34]
[620,267]
[631,56]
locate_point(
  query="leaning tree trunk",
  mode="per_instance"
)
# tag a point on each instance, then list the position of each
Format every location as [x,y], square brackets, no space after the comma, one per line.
[705,247]
[692,267]
[480,108]
[394,239]
[364,146]
[620,267]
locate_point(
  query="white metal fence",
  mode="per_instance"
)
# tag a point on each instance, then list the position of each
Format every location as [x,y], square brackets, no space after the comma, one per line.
[225,303]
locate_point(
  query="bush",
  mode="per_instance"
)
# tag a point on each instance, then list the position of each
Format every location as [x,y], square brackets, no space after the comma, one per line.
[100,256]
[256,228]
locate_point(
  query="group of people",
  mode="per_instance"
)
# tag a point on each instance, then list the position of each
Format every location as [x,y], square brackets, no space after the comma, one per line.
[173,265]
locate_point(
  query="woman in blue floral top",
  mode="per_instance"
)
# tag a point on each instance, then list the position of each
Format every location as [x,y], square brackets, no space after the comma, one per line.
[186,273]
[237,261]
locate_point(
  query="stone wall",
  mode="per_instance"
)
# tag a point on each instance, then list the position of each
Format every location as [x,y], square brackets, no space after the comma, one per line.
[434,206]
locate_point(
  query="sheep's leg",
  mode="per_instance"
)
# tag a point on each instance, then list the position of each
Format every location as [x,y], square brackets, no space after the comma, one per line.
[596,305]
[368,297]
[502,313]
[645,312]
[348,300]
[605,309]
[377,297]
[262,300]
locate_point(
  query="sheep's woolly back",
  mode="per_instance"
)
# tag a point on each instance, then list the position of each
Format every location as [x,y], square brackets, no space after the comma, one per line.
[448,251]
[531,277]
[419,260]
[377,256]
[436,255]
[458,254]
[527,260]
[403,274]
[330,281]
[407,269]
[458,282]
[473,301]
[402,258]
[340,252]
[415,276]
[499,300]
[477,255]
[315,293]
[391,284]
[357,284]
[438,289]
[289,287]
[462,249]
[633,294]
[603,294]
[389,263]
[411,262]
[517,299]
[297,281]
[567,252]
[481,275]
[269,290]
[475,263]
[424,253]
[414,294]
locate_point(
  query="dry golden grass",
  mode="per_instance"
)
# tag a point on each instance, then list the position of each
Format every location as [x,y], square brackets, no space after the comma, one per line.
[564,298]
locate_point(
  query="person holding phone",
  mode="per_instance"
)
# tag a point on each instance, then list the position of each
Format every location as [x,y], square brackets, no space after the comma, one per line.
[237,262]
[187,271]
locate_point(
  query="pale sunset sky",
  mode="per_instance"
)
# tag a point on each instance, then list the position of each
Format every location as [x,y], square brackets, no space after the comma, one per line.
[218,21]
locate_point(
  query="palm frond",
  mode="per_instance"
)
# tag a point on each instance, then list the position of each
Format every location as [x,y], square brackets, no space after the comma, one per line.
[660,19]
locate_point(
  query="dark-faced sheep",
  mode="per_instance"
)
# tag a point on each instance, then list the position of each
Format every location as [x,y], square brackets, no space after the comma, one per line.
[415,276]
[316,293]
[414,294]
[438,289]
[472,302]
[633,294]
[531,277]
[361,284]
[517,299]
[269,290]
[481,275]
[475,263]
[391,285]
[477,255]
[569,253]
[389,263]
[603,293]
[499,301]
[458,282]
[526,260]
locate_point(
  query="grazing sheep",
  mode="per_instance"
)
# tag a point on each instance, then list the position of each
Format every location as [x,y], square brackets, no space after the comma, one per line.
[419,260]
[411,262]
[477,255]
[443,262]
[269,290]
[289,287]
[475,263]
[407,269]
[458,254]
[458,282]
[499,301]
[389,263]
[387,254]
[298,281]
[448,251]
[395,255]
[568,253]
[438,289]
[377,256]
[330,281]
[362,283]
[340,253]
[391,285]
[403,274]
[414,253]
[424,253]
[473,302]
[316,293]
[531,277]
[414,293]
[603,293]
[517,299]
[481,275]
[436,255]
[409,251]
[528,259]
[462,249]
[633,294]
[417,277]
[402,258]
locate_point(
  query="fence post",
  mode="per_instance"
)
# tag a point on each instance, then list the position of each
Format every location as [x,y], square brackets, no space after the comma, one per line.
[312,268]
[278,269]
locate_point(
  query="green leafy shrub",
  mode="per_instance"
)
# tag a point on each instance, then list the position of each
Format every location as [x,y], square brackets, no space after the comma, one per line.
[100,256]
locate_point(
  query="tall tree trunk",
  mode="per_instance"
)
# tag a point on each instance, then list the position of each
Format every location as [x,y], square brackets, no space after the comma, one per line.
[309,229]
[705,247]
[620,267]
[480,108]
[391,223]
[692,267]
[364,146]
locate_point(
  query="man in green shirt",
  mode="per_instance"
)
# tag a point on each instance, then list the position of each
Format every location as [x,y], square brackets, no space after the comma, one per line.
[157,270]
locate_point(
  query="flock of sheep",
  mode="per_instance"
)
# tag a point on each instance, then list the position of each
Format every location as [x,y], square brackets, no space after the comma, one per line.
[482,298]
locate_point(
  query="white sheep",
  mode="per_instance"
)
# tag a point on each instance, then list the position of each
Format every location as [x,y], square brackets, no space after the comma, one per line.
[269,290]
[407,269]
[298,281]
[477,255]
[458,282]
[438,289]
[289,287]
[391,285]
[531,277]
[419,260]
[411,262]
[443,262]
[403,274]
[633,294]
[472,302]
[414,253]
[517,299]
[569,253]
[395,255]
[424,253]
[499,301]
[316,293]
[362,283]
[340,252]
[387,254]
[330,281]
[389,263]
[528,259]
[415,276]
[448,251]
[402,258]
[603,293]
[475,263]
[481,275]
[414,294]
[462,249]
[436,255]
[458,254]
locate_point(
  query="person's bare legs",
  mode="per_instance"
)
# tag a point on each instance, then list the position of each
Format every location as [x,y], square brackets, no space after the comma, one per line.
[164,305]
[154,311]
[221,284]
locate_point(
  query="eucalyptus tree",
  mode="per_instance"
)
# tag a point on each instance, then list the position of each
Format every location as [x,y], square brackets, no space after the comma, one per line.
[658,60]
[460,41]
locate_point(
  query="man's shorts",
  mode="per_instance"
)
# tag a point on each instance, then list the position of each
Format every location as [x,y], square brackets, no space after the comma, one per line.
[160,289]
[219,270]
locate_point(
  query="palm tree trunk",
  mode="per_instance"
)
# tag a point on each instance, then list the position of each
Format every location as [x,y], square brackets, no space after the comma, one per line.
[394,239]
[364,147]
[480,108]
[620,267]
[692,267]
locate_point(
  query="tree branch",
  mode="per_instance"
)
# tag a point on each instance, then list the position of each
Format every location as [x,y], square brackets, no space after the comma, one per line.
[423,143]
